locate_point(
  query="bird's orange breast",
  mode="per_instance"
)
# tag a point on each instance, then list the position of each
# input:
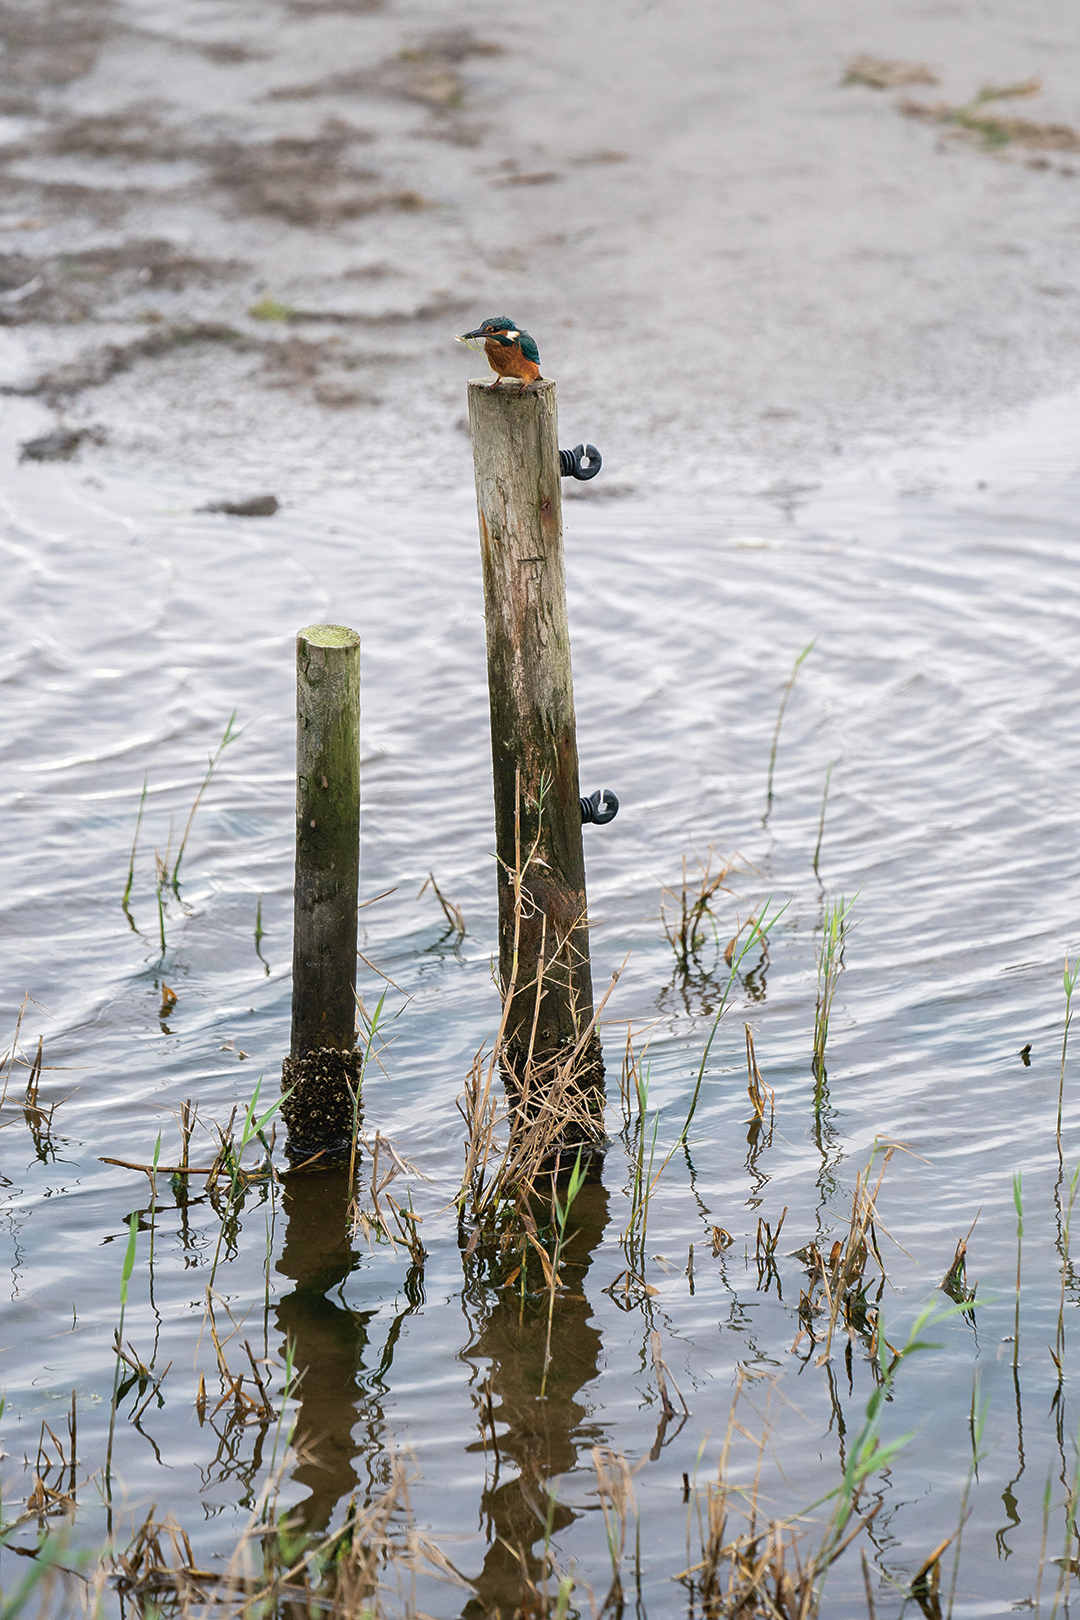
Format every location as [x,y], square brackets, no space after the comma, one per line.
[508,361]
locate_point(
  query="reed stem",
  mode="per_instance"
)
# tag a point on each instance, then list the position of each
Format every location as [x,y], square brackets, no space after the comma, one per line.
[1069,981]
[821,821]
[780,720]
[227,736]
[131,862]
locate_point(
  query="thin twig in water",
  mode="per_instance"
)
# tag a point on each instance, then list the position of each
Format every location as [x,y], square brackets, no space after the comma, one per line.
[451,912]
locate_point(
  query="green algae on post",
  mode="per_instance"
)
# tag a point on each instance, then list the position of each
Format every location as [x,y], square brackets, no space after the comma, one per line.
[322,1069]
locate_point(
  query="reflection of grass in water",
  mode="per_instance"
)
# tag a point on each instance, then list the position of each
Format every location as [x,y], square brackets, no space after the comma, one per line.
[772,1563]
[776,1566]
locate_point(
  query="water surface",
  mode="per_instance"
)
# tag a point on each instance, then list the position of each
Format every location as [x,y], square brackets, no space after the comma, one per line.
[942,593]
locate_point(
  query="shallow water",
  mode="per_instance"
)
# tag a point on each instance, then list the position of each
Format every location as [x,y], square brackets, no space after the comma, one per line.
[942,594]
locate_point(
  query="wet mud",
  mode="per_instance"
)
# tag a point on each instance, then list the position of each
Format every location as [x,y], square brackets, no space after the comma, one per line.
[785,266]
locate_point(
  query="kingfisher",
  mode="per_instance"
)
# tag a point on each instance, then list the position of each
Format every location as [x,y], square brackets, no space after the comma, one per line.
[510,351]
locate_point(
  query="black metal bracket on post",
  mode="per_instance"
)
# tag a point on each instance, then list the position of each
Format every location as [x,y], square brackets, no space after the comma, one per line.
[582,462]
[599,807]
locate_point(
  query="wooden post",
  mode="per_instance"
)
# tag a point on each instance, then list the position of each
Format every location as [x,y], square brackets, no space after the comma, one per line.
[322,1069]
[533,731]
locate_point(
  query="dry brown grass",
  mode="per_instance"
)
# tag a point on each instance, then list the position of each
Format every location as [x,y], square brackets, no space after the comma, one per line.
[550,1107]
[691,925]
[993,130]
[840,1283]
[880,73]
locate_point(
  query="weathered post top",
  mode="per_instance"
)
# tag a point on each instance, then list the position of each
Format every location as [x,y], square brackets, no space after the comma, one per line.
[322,1067]
[543,940]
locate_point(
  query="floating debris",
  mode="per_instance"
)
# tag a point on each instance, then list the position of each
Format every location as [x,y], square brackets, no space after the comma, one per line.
[257,506]
[59,445]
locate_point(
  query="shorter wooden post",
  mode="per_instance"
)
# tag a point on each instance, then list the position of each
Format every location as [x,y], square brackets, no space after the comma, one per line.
[322,1071]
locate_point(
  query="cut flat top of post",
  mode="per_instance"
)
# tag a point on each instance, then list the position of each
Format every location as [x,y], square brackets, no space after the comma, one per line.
[330,635]
[540,386]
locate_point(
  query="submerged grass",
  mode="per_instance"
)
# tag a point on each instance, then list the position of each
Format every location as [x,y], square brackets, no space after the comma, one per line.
[993,130]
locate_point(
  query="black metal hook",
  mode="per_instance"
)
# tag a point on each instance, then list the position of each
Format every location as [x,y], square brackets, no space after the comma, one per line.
[591,811]
[582,462]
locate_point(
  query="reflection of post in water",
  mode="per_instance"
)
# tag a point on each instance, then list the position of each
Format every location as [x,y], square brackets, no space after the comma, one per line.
[329,1342]
[542,1438]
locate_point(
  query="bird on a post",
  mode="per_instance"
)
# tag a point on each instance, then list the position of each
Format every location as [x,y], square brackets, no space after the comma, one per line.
[510,351]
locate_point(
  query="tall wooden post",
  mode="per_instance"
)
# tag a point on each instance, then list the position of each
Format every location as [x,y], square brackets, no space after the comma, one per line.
[533,731]
[322,1069]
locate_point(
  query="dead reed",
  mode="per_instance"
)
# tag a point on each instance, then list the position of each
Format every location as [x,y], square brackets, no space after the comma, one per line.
[761,1096]
[454,919]
[839,1284]
[760,1567]
[552,1108]
[685,931]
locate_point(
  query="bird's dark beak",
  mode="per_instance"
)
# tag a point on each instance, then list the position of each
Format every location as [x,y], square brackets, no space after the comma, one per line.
[479,333]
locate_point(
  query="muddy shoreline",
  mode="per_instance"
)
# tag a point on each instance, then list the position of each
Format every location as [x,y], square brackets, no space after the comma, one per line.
[238,239]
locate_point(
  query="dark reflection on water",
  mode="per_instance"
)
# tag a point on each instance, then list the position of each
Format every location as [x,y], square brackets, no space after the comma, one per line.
[541,1437]
[328,1343]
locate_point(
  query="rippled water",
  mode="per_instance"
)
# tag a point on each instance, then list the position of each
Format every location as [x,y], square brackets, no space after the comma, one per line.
[942,688]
